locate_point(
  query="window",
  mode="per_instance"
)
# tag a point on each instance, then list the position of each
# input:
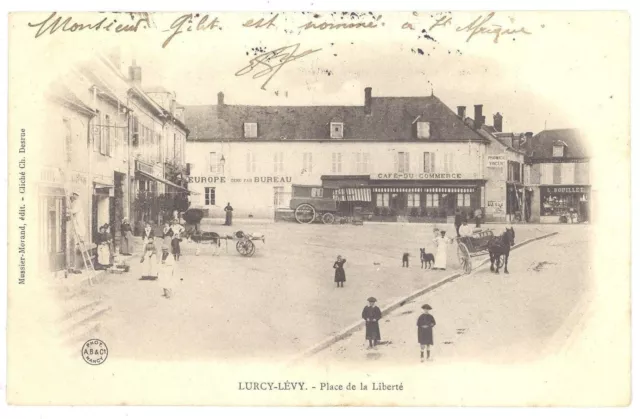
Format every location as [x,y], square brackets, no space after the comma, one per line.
[448,163]
[104,138]
[336,162]
[68,140]
[424,130]
[382,200]
[316,192]
[413,200]
[214,163]
[307,162]
[464,200]
[337,130]
[568,174]
[514,171]
[557,173]
[250,130]
[209,196]
[432,200]
[278,196]
[136,131]
[429,162]
[361,162]
[403,162]
[278,162]
[158,148]
[558,151]
[251,162]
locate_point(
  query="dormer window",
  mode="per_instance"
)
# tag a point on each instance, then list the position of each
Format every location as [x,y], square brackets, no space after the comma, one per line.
[337,130]
[250,130]
[558,151]
[423,130]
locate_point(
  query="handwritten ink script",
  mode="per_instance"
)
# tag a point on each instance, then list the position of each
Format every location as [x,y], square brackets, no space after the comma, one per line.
[480,26]
[190,23]
[54,23]
[270,63]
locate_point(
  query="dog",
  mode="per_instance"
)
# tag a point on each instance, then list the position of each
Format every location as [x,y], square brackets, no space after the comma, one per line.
[405,260]
[426,259]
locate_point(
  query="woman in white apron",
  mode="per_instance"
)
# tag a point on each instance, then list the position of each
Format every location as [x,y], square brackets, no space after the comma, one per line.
[104,254]
[441,253]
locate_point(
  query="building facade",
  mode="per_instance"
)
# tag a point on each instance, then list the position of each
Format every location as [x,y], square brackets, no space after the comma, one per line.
[408,157]
[113,140]
[558,175]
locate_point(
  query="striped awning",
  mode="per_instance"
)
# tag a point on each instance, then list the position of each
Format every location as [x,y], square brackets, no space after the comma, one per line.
[447,189]
[352,195]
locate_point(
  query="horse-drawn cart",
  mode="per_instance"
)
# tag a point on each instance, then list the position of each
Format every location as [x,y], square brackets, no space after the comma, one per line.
[479,243]
[473,246]
[245,243]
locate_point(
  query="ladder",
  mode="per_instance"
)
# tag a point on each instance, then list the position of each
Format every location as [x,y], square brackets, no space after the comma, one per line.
[86,257]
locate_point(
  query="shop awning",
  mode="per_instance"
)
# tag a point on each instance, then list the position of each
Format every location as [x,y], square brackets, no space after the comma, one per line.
[102,185]
[161,180]
[438,189]
[352,195]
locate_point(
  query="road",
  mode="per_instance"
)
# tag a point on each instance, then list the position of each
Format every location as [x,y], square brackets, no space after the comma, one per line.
[279,302]
[489,318]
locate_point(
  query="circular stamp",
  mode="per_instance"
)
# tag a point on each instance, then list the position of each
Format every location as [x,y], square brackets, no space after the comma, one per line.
[95,352]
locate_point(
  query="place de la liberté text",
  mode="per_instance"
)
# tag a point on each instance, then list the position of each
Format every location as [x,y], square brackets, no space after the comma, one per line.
[323,386]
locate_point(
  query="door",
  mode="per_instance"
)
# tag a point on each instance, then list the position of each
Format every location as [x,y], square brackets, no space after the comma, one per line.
[55,232]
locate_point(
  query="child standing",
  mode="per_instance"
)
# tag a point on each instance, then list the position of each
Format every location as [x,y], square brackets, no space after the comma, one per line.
[167,234]
[371,315]
[426,322]
[340,276]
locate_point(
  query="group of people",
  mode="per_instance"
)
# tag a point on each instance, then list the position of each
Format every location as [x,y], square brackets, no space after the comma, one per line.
[371,314]
[171,236]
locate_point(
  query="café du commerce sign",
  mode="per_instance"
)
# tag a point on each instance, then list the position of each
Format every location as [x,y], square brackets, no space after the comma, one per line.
[420,176]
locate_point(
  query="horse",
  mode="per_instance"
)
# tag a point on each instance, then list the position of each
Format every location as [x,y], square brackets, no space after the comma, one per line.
[499,246]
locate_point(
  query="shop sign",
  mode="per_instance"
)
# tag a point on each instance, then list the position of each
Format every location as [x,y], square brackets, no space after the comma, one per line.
[410,176]
[497,161]
[497,206]
[245,180]
[566,189]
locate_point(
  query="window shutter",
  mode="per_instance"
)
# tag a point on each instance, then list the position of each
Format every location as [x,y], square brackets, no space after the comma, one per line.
[396,162]
[557,173]
[433,162]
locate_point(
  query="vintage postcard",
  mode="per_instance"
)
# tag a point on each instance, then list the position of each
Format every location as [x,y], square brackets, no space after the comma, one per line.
[352,208]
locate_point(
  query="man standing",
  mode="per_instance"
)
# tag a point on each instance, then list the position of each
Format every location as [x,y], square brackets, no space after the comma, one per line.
[478,217]
[371,314]
[228,214]
[458,222]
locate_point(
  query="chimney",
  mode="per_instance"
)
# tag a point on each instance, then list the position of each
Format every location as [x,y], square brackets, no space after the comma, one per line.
[497,122]
[220,98]
[477,117]
[367,101]
[462,112]
[135,74]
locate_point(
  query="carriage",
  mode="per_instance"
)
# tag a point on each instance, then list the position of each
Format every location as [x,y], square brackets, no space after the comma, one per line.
[245,243]
[313,203]
[473,246]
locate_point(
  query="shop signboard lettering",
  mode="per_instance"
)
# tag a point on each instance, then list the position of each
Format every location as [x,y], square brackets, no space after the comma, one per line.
[497,206]
[566,189]
[253,179]
[497,161]
[51,175]
[409,176]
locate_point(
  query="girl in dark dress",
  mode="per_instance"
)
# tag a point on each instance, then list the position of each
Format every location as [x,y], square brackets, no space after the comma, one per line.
[425,331]
[340,276]
[371,314]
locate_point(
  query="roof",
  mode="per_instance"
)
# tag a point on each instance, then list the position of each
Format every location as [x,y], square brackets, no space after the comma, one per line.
[541,146]
[62,94]
[391,119]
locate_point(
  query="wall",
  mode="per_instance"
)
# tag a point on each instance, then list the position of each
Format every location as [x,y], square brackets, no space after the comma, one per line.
[253,169]
[496,188]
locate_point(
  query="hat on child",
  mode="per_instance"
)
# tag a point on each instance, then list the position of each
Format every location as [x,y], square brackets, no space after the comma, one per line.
[426,307]
[371,300]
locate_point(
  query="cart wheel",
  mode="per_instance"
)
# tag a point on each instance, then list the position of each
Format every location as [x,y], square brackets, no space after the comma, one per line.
[328,218]
[500,261]
[246,248]
[465,258]
[305,214]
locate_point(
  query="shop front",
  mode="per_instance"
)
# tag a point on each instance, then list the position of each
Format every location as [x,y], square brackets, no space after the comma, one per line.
[565,204]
